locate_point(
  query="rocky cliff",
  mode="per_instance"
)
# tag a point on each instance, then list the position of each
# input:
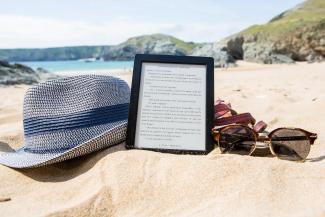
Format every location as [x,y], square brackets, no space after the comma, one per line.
[53,54]
[294,35]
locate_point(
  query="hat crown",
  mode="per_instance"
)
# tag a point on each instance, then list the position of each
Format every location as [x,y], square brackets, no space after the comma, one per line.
[63,113]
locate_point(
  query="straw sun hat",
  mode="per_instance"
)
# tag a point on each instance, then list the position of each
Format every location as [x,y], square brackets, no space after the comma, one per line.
[70,117]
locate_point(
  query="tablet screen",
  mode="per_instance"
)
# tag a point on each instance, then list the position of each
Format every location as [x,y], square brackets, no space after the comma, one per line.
[171,110]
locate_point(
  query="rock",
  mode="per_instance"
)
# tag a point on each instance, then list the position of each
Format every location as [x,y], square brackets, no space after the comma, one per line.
[221,57]
[264,53]
[280,58]
[311,57]
[11,74]
[235,47]
[4,63]
[42,70]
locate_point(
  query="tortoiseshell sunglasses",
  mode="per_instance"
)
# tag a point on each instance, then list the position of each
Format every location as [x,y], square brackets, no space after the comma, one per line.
[285,143]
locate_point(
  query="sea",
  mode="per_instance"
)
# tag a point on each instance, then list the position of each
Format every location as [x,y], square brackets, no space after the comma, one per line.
[80,66]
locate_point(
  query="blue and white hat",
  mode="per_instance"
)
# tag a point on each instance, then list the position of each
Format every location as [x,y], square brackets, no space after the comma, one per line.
[70,117]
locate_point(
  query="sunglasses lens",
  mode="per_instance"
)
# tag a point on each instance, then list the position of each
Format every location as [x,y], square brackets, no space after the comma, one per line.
[237,140]
[290,144]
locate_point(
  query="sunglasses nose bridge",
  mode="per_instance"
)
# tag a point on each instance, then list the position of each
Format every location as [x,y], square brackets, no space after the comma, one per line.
[269,143]
[265,142]
[264,139]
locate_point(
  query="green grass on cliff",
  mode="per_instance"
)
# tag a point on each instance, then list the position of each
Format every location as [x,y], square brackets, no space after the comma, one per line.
[188,46]
[309,13]
[147,39]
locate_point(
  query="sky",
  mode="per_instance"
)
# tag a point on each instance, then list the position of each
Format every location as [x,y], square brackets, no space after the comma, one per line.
[55,23]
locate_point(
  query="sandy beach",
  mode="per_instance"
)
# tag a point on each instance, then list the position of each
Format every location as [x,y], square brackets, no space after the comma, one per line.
[118,182]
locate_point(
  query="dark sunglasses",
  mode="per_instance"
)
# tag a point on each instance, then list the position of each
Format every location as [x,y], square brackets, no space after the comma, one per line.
[285,143]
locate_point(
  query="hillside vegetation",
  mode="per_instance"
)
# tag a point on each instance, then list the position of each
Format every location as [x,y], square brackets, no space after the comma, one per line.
[311,12]
[149,44]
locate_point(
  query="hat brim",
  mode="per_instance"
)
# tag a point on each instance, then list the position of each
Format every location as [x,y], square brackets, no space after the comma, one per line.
[25,159]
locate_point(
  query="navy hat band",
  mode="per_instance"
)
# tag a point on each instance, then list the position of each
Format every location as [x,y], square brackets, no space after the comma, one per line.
[89,118]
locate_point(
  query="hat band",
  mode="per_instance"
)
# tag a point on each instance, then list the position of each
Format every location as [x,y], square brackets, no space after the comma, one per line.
[84,119]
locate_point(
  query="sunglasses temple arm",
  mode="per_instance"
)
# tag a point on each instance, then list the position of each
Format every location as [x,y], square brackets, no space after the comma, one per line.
[313,137]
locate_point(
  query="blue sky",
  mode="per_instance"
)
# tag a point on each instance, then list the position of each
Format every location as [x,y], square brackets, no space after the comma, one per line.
[45,23]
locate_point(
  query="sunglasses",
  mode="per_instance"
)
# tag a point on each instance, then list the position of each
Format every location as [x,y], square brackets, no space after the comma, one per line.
[285,143]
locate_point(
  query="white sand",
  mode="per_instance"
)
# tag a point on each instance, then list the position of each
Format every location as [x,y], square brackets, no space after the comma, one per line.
[115,182]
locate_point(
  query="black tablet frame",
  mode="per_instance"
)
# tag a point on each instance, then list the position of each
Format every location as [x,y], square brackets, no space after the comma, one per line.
[134,99]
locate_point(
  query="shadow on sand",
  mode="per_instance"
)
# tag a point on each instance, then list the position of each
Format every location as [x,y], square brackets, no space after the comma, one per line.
[69,169]
[5,147]
[316,159]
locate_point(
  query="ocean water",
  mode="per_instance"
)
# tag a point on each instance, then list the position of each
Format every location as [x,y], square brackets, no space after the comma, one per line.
[82,66]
